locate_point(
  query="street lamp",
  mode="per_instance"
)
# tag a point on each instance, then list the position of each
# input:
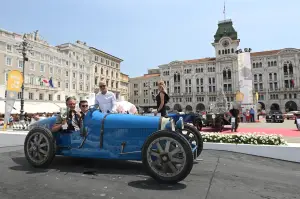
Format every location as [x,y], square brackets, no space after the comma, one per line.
[23,48]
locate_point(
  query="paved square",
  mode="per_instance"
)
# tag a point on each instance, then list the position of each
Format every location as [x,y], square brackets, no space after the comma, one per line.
[219,175]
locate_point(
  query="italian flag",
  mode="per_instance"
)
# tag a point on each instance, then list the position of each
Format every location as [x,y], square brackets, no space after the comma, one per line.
[43,80]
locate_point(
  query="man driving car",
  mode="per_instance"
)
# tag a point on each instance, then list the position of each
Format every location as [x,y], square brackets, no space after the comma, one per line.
[72,122]
[106,100]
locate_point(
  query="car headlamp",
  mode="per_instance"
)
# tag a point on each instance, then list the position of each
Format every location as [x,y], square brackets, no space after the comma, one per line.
[180,124]
[168,123]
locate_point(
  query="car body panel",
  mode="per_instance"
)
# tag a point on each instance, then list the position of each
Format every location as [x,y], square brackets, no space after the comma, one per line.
[187,117]
[128,130]
[275,116]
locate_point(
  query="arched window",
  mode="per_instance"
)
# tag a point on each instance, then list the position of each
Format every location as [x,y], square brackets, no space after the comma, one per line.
[290,68]
[224,74]
[229,74]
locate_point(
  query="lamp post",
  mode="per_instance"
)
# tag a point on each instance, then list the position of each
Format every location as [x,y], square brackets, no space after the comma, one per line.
[23,48]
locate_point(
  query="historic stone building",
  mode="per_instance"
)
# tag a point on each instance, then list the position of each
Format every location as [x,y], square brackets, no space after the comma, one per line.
[73,68]
[193,84]
[106,68]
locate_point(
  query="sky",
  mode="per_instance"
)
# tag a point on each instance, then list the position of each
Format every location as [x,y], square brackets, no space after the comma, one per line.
[148,33]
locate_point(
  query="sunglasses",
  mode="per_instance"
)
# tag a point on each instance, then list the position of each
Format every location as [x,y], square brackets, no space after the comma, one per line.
[84,105]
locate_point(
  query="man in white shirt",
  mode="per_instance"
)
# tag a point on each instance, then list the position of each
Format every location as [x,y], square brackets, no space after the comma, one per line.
[106,99]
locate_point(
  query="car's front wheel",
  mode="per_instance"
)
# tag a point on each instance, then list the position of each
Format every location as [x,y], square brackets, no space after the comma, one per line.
[167,157]
[193,136]
[39,147]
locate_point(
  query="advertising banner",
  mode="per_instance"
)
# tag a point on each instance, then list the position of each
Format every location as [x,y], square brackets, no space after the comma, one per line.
[14,84]
[245,77]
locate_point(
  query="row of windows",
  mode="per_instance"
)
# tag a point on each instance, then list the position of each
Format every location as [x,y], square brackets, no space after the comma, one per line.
[106,72]
[42,68]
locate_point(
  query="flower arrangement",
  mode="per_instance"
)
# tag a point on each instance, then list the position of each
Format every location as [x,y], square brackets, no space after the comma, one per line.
[249,138]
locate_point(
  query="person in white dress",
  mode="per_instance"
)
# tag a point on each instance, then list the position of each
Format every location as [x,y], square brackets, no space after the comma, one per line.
[106,100]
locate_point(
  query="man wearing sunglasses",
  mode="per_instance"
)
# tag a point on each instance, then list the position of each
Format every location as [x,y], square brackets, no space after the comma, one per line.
[84,107]
[106,100]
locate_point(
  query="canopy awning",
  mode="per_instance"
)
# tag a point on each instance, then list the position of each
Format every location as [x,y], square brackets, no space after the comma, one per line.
[33,107]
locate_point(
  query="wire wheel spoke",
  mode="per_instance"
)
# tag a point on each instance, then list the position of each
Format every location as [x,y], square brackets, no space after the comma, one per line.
[38,147]
[168,162]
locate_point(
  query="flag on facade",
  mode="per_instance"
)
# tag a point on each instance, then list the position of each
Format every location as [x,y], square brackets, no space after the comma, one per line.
[51,82]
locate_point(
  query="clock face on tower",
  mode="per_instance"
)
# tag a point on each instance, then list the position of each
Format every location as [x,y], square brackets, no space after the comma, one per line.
[225,43]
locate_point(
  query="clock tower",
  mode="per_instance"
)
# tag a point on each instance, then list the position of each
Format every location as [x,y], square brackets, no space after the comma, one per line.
[226,40]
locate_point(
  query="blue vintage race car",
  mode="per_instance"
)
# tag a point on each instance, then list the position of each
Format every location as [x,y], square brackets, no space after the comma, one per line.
[165,151]
[194,118]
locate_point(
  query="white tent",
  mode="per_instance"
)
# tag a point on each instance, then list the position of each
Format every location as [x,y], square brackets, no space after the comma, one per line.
[33,107]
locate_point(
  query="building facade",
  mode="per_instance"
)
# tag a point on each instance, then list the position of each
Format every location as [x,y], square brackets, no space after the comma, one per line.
[124,86]
[193,85]
[53,73]
[106,68]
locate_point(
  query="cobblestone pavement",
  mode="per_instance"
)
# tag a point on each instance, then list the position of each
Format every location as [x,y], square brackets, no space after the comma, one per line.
[219,175]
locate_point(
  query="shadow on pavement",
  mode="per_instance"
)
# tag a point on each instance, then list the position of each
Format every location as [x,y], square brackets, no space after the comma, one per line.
[151,184]
[83,166]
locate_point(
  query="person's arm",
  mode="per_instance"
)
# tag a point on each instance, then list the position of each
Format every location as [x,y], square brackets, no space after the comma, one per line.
[96,101]
[58,124]
[114,103]
[162,101]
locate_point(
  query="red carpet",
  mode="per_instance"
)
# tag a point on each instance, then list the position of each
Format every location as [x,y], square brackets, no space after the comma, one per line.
[292,132]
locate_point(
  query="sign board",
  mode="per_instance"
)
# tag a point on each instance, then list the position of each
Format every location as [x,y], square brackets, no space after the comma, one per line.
[14,85]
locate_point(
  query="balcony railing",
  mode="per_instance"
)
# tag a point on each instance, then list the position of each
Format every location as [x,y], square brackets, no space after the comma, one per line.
[39,87]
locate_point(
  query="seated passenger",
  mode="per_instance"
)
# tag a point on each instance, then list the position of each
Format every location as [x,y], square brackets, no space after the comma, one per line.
[84,108]
[73,119]
[106,100]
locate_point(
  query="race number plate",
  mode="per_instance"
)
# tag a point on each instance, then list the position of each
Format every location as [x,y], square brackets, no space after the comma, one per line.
[232,119]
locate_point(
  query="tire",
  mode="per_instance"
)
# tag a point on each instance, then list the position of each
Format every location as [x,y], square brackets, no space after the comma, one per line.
[198,137]
[221,126]
[163,158]
[48,148]
[198,124]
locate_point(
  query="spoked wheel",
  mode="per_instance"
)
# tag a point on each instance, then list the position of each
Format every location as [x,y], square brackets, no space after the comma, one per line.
[198,124]
[39,147]
[194,137]
[167,157]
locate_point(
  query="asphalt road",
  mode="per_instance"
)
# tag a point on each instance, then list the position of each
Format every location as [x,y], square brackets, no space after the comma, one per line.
[220,175]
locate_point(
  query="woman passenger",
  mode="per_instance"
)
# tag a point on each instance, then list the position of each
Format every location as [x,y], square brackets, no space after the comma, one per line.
[161,99]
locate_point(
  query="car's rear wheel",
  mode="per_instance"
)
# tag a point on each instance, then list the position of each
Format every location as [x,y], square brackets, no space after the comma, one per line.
[167,157]
[193,136]
[198,124]
[39,147]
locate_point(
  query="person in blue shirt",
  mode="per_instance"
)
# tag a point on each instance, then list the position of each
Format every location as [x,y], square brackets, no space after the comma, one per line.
[252,112]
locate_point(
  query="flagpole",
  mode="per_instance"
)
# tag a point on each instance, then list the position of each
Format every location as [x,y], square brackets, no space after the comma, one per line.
[224,10]
[23,48]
